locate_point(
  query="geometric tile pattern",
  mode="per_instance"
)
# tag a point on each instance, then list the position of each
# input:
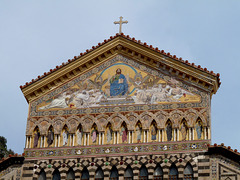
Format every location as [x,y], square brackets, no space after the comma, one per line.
[113,150]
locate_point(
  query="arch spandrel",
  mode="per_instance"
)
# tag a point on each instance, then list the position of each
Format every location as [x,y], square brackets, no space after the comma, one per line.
[133,119]
[146,118]
[58,123]
[102,121]
[192,115]
[204,115]
[74,122]
[88,121]
[176,116]
[117,119]
[161,118]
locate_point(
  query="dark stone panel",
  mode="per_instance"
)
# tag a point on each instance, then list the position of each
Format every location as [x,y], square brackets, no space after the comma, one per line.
[181,166]
[28,168]
[27,175]
[203,174]
[203,160]
[194,165]
[204,167]
[195,172]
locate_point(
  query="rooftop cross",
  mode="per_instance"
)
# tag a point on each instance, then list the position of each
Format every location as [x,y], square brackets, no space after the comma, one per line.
[120,24]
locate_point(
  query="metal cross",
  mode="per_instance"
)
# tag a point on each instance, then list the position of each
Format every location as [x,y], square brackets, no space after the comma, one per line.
[120,24]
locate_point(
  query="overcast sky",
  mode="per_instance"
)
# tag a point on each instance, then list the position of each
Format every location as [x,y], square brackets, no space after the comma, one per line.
[35,36]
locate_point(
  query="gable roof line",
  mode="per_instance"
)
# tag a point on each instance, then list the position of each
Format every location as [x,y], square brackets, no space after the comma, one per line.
[224,151]
[162,52]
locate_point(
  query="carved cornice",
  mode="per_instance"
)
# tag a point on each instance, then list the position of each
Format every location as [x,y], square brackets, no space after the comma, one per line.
[126,47]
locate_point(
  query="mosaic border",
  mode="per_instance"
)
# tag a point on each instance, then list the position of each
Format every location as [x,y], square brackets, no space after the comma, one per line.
[119,149]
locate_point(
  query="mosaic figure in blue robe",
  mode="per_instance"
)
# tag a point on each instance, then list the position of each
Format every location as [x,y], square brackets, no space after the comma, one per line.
[118,84]
[199,129]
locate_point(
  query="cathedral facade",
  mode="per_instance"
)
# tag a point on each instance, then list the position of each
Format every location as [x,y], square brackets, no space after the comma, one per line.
[124,110]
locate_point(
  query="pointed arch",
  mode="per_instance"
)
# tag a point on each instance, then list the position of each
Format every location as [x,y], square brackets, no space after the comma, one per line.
[138,132]
[114,173]
[173,172]
[153,130]
[118,119]
[102,120]
[94,133]
[70,174]
[176,116]
[36,137]
[58,125]
[161,117]
[56,175]
[42,175]
[169,130]
[79,134]
[128,174]
[124,132]
[143,173]
[184,129]
[199,128]
[158,173]
[188,172]
[65,135]
[85,174]
[146,119]
[73,121]
[109,133]
[87,120]
[50,136]
[99,175]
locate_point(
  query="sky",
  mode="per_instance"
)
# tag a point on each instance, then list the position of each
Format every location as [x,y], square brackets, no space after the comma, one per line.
[35,36]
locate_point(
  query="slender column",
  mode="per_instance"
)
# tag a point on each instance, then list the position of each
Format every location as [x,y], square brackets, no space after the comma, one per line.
[117,137]
[193,133]
[205,132]
[209,133]
[70,140]
[30,143]
[88,138]
[44,145]
[99,139]
[27,142]
[174,134]
[58,140]
[144,134]
[114,137]
[177,134]
[85,139]
[55,144]
[128,137]
[132,137]
[40,141]
[73,139]
[163,135]
[190,129]
[159,135]
[147,135]
[102,138]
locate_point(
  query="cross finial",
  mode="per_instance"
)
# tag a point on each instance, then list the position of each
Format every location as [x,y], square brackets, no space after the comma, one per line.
[120,24]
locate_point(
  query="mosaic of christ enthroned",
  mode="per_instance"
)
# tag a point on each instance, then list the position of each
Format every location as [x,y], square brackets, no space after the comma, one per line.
[119,83]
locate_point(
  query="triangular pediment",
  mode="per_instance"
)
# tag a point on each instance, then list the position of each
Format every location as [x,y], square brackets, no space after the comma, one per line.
[119,81]
[228,172]
[105,52]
